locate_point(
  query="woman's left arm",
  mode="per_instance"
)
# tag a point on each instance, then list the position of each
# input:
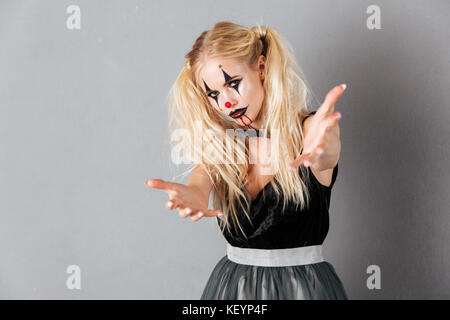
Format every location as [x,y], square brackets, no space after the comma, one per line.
[321,144]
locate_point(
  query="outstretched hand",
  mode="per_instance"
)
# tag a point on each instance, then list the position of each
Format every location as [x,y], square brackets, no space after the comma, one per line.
[321,145]
[187,199]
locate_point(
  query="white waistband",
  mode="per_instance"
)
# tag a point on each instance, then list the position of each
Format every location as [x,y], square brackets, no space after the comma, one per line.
[275,257]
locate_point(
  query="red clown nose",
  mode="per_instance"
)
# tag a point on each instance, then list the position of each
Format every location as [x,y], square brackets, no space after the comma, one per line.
[227,104]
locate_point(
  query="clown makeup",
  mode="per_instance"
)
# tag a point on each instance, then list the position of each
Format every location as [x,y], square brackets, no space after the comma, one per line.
[233,89]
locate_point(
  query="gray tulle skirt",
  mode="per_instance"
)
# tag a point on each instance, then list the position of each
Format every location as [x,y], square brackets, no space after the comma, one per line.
[233,281]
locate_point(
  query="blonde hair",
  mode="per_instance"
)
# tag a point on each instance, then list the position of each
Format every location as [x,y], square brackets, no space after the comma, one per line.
[283,110]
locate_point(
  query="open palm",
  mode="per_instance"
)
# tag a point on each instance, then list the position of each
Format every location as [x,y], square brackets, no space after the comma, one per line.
[186,199]
[321,145]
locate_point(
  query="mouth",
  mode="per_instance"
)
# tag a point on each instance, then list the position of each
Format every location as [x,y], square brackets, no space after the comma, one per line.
[238,113]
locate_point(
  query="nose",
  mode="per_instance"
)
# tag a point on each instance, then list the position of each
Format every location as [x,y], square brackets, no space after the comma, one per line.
[228,99]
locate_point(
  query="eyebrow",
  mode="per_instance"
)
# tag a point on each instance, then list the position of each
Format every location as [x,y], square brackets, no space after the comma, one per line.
[208,90]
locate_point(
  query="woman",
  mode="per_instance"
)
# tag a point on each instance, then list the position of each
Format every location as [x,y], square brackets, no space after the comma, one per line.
[272,203]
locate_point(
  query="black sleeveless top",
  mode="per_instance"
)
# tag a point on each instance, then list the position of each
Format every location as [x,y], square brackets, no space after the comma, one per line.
[276,229]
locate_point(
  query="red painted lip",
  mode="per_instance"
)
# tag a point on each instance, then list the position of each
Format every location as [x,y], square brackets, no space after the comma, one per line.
[238,113]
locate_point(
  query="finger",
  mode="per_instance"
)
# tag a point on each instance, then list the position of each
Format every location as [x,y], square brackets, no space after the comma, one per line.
[161,184]
[186,212]
[332,121]
[170,204]
[212,213]
[205,213]
[307,159]
[174,203]
[297,162]
[331,98]
[197,216]
[313,157]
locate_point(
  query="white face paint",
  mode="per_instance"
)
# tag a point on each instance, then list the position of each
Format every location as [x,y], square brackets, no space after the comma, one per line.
[233,85]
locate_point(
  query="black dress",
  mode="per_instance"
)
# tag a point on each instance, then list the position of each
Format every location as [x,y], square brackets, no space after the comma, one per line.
[276,229]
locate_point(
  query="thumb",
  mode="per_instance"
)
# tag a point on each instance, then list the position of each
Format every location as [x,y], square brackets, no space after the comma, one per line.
[161,184]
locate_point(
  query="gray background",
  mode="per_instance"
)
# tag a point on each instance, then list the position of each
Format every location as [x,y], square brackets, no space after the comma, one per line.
[83,122]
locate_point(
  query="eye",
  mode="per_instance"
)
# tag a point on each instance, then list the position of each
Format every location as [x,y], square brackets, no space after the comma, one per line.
[234,84]
[235,81]
[212,95]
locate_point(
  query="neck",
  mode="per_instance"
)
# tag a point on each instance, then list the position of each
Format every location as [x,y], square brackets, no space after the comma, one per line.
[257,131]
[257,123]
[254,125]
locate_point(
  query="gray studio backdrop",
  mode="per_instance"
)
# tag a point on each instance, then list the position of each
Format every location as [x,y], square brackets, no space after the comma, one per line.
[83,122]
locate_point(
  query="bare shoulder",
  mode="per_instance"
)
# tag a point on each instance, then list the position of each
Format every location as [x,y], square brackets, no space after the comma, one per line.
[324,176]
